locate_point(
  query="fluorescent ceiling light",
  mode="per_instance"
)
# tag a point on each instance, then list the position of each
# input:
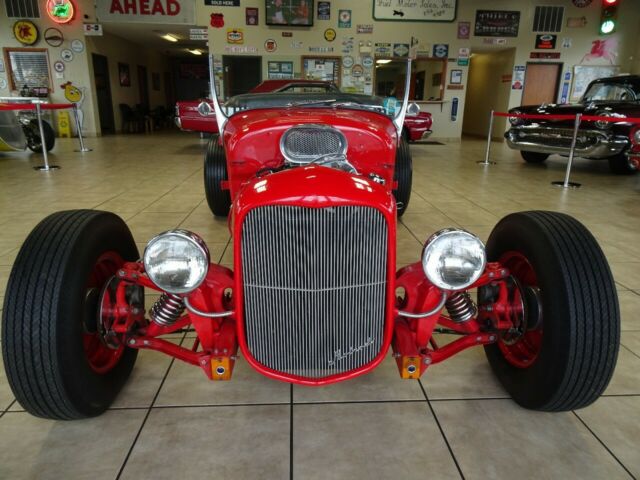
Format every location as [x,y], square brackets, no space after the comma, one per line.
[169,37]
[195,51]
[382,61]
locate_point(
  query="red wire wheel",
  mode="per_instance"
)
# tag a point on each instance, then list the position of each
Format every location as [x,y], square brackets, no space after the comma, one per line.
[523,348]
[101,357]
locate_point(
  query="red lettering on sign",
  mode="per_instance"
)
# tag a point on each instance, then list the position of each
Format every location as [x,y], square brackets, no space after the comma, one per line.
[130,6]
[144,7]
[116,7]
[157,8]
[173,7]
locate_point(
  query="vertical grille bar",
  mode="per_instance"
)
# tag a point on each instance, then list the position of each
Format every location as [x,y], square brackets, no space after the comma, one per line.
[314,287]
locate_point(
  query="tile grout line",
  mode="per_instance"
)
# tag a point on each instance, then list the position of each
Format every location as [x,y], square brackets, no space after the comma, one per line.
[7,409]
[631,351]
[444,437]
[602,443]
[146,417]
[291,431]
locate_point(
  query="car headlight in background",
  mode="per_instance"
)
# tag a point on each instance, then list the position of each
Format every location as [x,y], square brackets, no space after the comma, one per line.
[177,261]
[515,121]
[453,259]
[636,137]
[600,123]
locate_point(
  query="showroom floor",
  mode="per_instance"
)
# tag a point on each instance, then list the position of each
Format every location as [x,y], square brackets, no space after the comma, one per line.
[170,421]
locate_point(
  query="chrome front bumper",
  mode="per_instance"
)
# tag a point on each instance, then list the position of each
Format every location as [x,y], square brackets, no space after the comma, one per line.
[589,143]
[426,134]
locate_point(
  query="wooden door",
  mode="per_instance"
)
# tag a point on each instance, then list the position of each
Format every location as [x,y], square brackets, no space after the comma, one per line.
[103,93]
[541,83]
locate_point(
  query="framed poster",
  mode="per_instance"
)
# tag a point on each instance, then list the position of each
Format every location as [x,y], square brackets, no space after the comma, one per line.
[455,77]
[322,68]
[290,12]
[585,74]
[124,74]
[497,23]
[398,11]
[280,70]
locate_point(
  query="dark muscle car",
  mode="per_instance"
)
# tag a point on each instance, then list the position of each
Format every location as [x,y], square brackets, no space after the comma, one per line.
[617,141]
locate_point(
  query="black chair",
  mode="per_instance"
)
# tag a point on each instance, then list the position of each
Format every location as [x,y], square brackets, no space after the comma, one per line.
[128,118]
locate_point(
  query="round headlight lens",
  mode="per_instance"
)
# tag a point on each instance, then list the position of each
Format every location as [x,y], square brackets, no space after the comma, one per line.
[453,259]
[177,261]
[515,121]
[636,137]
[601,123]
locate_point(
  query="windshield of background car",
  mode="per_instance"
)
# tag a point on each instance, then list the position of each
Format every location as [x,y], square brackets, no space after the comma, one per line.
[308,89]
[609,92]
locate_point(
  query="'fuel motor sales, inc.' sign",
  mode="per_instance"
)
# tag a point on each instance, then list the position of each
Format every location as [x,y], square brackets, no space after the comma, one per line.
[146,11]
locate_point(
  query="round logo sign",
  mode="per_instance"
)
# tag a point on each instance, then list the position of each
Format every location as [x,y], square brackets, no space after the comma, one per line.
[58,66]
[66,55]
[60,11]
[53,37]
[270,45]
[329,34]
[235,36]
[3,84]
[347,62]
[367,62]
[77,46]
[25,32]
[357,71]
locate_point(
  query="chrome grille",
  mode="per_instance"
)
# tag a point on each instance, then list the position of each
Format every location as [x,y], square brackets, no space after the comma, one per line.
[314,287]
[305,143]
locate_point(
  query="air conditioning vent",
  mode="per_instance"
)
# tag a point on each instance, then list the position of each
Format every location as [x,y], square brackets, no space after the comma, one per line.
[22,8]
[548,19]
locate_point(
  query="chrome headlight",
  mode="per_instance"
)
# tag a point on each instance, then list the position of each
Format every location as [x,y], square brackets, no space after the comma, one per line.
[636,137]
[600,123]
[515,121]
[303,144]
[177,261]
[453,259]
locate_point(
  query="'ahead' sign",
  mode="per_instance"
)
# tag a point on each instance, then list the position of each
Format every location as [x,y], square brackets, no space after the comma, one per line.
[146,11]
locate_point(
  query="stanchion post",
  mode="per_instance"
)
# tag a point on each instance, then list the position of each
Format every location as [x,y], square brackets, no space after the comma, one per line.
[43,143]
[79,128]
[574,139]
[486,155]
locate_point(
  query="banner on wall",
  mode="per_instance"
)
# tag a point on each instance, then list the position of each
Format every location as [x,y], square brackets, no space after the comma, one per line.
[146,11]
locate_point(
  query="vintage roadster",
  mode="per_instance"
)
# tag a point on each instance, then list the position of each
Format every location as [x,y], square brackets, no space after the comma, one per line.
[617,98]
[314,297]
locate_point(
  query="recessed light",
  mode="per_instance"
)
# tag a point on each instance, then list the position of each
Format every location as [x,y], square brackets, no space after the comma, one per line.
[195,51]
[383,61]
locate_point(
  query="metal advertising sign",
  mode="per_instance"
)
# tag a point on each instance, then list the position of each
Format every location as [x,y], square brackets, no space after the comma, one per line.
[147,11]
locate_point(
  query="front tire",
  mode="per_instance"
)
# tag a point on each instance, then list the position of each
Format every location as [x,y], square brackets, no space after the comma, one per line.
[56,367]
[34,142]
[215,172]
[622,165]
[567,357]
[403,174]
[533,157]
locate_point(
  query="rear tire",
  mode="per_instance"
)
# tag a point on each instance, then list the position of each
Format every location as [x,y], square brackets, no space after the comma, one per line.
[621,165]
[533,157]
[578,340]
[46,310]
[215,172]
[403,174]
[34,141]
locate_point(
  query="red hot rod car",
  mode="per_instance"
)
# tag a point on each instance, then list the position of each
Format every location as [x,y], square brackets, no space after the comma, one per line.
[314,296]
[417,124]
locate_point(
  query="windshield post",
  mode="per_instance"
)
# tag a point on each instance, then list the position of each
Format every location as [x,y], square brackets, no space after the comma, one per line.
[221,118]
[398,121]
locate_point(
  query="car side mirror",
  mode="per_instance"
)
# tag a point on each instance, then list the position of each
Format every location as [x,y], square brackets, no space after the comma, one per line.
[413,109]
[205,109]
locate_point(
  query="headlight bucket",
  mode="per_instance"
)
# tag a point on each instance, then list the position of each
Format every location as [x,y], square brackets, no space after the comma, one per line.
[177,261]
[600,123]
[515,121]
[453,259]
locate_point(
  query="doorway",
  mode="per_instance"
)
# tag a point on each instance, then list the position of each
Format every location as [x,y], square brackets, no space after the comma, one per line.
[103,93]
[241,74]
[541,83]
[143,86]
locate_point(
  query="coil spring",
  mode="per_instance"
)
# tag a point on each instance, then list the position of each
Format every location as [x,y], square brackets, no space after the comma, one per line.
[460,307]
[167,310]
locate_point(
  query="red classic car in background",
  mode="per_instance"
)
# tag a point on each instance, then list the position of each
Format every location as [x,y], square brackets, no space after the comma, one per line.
[314,296]
[417,125]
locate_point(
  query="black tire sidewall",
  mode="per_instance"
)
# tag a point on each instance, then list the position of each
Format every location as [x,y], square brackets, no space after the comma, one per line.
[403,174]
[49,136]
[215,171]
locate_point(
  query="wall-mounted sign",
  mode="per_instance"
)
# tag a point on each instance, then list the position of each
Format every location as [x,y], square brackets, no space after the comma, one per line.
[3,84]
[58,66]
[581,3]
[53,37]
[545,55]
[198,34]
[416,11]
[222,3]
[400,49]
[287,34]
[464,30]
[66,55]
[357,71]
[367,61]
[92,29]
[330,34]
[60,11]
[347,62]
[237,49]
[270,45]
[576,22]
[517,79]
[146,11]
[324,11]
[455,77]
[463,56]
[280,70]
[383,50]
[344,19]
[546,41]
[25,32]
[319,49]
[77,46]
[235,36]
[441,50]
[364,28]
[496,23]
[217,20]
[251,16]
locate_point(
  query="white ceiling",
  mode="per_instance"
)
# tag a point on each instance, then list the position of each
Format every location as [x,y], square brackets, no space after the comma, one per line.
[150,37]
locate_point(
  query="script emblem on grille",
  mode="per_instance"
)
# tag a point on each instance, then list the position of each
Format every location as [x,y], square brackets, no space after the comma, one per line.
[338,355]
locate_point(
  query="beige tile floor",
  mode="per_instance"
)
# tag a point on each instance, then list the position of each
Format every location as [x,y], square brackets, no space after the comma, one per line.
[456,422]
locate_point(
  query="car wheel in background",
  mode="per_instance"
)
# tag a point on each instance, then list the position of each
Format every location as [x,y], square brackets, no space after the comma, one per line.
[58,363]
[215,172]
[34,142]
[622,165]
[562,354]
[403,174]
[533,157]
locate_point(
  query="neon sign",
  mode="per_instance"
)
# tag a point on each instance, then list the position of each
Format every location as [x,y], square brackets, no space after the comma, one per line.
[60,11]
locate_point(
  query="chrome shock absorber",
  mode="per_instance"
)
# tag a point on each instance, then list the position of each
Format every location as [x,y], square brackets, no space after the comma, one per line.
[167,310]
[460,307]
